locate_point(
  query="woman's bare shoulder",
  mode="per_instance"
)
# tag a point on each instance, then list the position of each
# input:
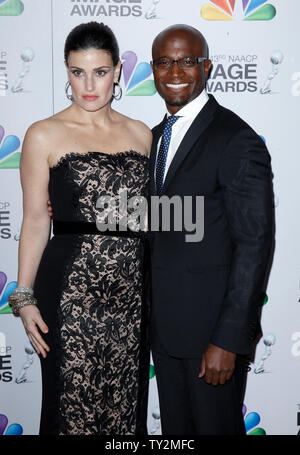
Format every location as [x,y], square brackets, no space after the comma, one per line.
[140,127]
[134,132]
[41,138]
[135,125]
[141,130]
[42,129]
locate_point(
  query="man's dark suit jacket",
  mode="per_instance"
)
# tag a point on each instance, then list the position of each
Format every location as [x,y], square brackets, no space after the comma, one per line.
[211,291]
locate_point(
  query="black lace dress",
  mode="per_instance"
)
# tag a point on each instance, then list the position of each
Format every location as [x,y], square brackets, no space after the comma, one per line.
[90,290]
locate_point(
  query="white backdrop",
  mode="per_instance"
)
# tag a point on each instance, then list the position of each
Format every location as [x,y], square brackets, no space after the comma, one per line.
[254,48]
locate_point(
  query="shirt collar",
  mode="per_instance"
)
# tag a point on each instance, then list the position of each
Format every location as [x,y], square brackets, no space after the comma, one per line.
[193,108]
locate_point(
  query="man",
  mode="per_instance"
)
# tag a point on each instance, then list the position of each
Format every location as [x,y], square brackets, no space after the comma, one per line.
[205,294]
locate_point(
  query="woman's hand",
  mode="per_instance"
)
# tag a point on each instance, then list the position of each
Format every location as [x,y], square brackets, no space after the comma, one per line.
[33,320]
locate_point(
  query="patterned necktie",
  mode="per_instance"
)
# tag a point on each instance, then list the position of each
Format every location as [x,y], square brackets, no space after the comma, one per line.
[163,151]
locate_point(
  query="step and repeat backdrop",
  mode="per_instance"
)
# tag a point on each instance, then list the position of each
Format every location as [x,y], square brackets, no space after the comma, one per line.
[254,47]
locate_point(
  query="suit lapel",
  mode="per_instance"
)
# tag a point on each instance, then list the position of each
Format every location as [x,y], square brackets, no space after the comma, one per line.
[197,128]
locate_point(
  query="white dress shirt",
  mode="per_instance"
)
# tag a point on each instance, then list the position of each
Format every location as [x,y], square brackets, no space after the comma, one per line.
[187,115]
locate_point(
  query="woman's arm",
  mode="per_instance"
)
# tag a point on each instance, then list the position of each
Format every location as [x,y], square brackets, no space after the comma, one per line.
[34,171]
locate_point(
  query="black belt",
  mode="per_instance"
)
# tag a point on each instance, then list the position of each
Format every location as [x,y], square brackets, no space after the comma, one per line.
[82,227]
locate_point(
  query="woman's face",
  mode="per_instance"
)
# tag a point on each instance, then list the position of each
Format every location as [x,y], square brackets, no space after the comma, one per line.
[92,76]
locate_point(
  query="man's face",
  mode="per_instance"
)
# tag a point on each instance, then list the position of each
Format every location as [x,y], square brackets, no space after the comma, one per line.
[178,86]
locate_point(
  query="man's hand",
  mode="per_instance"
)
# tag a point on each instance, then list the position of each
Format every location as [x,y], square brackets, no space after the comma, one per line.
[217,365]
[50,209]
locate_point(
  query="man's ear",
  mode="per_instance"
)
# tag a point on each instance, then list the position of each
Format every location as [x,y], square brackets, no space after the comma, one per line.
[207,68]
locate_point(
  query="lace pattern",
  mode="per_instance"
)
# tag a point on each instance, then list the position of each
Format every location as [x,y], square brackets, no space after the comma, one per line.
[101,304]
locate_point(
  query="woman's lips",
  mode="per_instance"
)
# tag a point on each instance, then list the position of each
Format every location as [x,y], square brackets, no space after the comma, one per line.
[90,97]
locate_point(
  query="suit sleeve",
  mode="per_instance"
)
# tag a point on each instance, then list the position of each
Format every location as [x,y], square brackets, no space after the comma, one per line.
[246,180]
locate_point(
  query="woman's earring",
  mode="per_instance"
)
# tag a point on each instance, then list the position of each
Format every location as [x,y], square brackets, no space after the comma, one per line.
[119,95]
[70,97]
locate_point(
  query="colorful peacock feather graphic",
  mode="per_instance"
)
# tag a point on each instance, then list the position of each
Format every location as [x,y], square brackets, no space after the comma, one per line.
[247,10]
[136,76]
[251,421]
[11,7]
[264,300]
[8,158]
[151,371]
[4,305]
[13,430]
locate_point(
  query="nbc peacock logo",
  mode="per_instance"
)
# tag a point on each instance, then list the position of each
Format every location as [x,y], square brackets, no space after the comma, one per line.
[7,290]
[151,371]
[9,157]
[14,429]
[229,10]
[11,7]
[137,76]
[251,420]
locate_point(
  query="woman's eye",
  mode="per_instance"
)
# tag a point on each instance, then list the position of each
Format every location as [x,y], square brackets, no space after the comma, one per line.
[101,73]
[77,73]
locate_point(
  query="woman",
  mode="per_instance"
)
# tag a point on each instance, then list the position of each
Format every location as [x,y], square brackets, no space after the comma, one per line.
[87,299]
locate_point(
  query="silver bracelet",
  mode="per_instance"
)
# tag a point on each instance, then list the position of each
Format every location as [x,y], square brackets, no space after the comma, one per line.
[18,299]
[23,289]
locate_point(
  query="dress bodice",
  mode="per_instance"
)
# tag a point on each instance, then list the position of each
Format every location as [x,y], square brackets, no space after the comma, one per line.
[78,180]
